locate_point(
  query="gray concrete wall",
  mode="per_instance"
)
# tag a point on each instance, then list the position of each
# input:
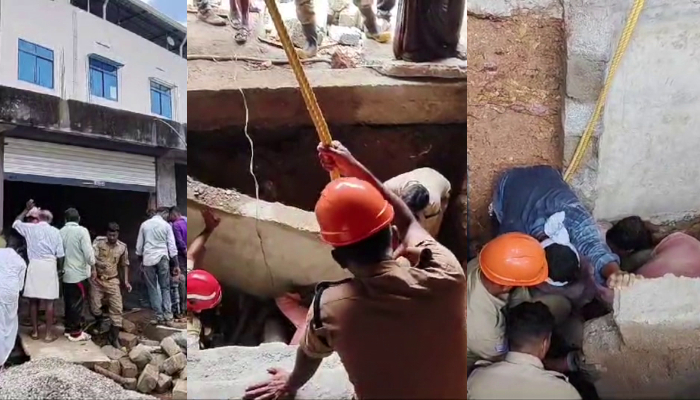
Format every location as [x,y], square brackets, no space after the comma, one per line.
[166,185]
[642,159]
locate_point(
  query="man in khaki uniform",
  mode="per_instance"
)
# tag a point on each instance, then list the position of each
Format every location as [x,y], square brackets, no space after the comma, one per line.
[522,375]
[399,331]
[499,278]
[111,254]
[426,192]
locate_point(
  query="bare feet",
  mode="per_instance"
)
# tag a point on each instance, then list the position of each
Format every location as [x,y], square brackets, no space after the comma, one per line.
[50,337]
[35,335]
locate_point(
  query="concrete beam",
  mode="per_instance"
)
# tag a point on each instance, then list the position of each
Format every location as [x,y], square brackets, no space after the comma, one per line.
[346,97]
[650,346]
[260,248]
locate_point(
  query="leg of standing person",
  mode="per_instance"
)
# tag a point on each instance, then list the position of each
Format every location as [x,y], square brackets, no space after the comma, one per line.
[370,20]
[49,305]
[183,293]
[96,295]
[206,14]
[74,300]
[163,272]
[175,297]
[307,18]
[384,9]
[34,316]
[116,309]
[155,295]
[244,9]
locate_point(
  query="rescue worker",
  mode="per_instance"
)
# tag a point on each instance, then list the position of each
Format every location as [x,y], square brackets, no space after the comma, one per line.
[426,192]
[399,331]
[529,329]
[537,201]
[111,255]
[203,293]
[307,19]
[499,278]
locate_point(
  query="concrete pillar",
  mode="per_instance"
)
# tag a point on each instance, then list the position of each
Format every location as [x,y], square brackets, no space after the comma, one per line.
[166,189]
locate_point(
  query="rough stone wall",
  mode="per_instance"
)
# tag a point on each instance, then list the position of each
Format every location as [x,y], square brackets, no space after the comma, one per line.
[650,346]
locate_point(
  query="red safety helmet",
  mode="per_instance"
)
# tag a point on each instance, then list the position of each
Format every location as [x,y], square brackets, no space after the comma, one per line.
[203,291]
[351,210]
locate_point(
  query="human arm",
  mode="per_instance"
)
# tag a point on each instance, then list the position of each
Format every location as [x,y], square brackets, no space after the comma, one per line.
[18,224]
[140,243]
[172,247]
[88,251]
[124,264]
[180,237]
[211,221]
[336,156]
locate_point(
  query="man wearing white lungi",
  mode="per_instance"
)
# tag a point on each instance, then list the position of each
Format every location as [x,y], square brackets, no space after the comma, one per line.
[12,272]
[45,251]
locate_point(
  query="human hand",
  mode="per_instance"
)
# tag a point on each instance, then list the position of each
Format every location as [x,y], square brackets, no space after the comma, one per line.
[29,205]
[276,388]
[211,221]
[622,279]
[128,286]
[337,157]
[176,272]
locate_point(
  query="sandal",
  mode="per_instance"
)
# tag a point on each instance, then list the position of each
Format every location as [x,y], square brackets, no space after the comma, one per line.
[35,335]
[242,36]
[235,22]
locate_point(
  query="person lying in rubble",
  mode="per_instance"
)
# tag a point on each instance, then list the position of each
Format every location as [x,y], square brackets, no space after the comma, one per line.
[13,269]
[537,201]
[426,192]
[528,328]
[632,239]
[384,357]
[500,277]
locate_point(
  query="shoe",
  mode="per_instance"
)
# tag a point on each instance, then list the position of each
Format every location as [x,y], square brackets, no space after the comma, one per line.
[113,336]
[311,48]
[83,337]
[371,26]
[211,18]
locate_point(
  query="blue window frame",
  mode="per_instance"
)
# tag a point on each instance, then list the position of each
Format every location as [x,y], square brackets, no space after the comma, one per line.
[35,64]
[104,81]
[161,100]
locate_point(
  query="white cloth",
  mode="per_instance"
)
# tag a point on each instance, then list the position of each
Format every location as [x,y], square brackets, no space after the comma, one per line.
[43,240]
[42,280]
[12,273]
[156,239]
[556,231]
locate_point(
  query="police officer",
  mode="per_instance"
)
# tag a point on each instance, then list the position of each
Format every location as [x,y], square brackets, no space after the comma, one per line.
[111,254]
[399,330]
[529,328]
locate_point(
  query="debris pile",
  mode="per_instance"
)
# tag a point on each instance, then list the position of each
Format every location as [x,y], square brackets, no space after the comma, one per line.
[148,367]
[225,372]
[55,379]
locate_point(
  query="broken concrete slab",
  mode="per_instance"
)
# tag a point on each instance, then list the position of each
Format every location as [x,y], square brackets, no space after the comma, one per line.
[86,353]
[452,68]
[225,372]
[636,348]
[160,332]
[112,352]
[236,242]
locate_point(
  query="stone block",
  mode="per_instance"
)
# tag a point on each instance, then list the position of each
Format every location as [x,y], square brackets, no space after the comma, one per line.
[183,374]
[140,355]
[129,383]
[350,17]
[180,390]
[128,340]
[149,343]
[660,314]
[164,383]
[112,352]
[576,117]
[115,367]
[128,326]
[584,78]
[128,368]
[158,360]
[170,347]
[148,380]
[174,364]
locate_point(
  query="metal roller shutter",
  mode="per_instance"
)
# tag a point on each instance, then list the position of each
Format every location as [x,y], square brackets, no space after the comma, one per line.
[43,162]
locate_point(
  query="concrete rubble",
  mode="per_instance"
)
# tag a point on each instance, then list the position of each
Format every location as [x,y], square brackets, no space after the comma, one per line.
[55,379]
[225,372]
[650,346]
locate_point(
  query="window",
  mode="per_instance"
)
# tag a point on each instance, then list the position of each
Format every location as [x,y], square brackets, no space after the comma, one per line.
[103,79]
[161,100]
[35,64]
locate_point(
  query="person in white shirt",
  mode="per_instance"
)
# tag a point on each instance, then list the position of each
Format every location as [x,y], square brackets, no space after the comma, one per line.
[12,272]
[157,254]
[45,251]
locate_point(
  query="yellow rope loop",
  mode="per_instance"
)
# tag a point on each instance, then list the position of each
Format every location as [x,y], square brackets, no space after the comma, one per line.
[585,141]
[309,97]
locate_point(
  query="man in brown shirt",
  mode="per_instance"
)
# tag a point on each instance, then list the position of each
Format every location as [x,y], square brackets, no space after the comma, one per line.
[110,255]
[400,331]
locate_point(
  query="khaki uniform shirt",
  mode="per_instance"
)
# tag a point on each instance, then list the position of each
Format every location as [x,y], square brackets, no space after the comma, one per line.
[399,330]
[520,376]
[115,256]
[439,188]
[485,318]
[194,331]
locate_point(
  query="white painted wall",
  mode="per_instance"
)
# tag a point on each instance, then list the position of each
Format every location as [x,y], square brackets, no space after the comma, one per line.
[73,35]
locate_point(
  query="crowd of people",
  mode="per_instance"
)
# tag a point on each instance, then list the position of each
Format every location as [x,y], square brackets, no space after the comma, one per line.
[42,263]
[399,323]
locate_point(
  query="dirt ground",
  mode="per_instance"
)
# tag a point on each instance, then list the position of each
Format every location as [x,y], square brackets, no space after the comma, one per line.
[515,78]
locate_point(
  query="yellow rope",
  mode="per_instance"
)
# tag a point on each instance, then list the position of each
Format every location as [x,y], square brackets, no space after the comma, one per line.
[309,97]
[585,141]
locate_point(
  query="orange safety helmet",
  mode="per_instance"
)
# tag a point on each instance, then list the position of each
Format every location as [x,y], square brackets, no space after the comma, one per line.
[351,210]
[514,259]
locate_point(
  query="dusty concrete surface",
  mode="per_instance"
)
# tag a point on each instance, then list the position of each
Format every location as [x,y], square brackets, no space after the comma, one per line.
[508,8]
[287,168]
[287,252]
[650,346]
[225,372]
[514,103]
[86,353]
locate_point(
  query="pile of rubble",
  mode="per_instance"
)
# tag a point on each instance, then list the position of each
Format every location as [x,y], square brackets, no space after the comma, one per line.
[148,367]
